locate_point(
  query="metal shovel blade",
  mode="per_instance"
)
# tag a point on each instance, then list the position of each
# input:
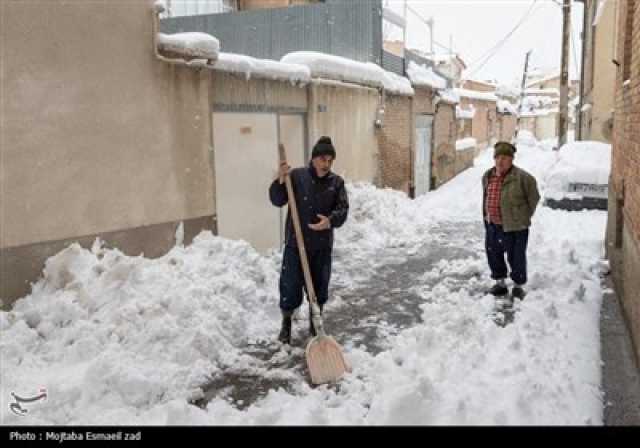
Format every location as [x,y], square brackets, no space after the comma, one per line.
[325,360]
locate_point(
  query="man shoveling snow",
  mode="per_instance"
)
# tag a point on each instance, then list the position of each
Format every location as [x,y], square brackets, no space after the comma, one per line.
[323,205]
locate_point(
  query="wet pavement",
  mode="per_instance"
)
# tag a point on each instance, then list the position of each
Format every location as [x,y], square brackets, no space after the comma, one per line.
[620,372]
[367,315]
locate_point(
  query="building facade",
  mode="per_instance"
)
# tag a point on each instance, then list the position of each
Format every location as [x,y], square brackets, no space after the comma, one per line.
[623,227]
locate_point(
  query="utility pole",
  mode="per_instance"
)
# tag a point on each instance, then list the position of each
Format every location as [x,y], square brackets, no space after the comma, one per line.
[404,29]
[563,122]
[430,24]
[522,90]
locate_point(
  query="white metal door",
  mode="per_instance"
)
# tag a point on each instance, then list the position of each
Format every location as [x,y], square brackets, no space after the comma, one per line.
[245,146]
[291,134]
[422,165]
[246,161]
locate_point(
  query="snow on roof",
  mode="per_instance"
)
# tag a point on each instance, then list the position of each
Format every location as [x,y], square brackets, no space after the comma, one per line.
[466,113]
[393,17]
[543,79]
[422,76]
[506,107]
[337,68]
[586,107]
[200,45]
[160,6]
[474,94]
[441,58]
[538,113]
[398,85]
[262,68]
[449,96]
[552,92]
[466,143]
[506,90]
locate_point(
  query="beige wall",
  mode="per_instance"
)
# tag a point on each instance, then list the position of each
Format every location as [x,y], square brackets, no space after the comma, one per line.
[604,75]
[546,126]
[234,91]
[506,126]
[347,116]
[98,135]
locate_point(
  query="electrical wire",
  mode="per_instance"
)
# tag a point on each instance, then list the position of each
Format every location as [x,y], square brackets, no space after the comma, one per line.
[494,50]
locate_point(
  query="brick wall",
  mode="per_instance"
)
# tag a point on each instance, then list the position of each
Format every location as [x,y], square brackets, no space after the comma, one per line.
[483,126]
[444,147]
[394,140]
[623,232]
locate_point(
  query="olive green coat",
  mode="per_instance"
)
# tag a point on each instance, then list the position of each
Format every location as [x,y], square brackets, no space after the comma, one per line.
[519,198]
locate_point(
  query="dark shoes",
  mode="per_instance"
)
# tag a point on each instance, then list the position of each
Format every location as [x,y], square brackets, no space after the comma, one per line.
[499,290]
[285,331]
[518,293]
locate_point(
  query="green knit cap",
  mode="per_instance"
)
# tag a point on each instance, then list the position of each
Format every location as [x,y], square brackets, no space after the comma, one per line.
[504,149]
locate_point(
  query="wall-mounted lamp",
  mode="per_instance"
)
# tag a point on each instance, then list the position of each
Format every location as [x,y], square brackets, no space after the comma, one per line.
[379,123]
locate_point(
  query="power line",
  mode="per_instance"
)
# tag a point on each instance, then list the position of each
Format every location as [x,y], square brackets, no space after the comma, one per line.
[494,50]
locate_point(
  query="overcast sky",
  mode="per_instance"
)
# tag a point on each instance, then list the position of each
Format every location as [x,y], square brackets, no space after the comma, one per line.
[478,25]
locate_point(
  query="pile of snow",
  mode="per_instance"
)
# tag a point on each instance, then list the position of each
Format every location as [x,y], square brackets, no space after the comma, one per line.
[504,90]
[397,85]
[505,107]
[538,102]
[262,68]
[476,95]
[586,107]
[111,335]
[466,113]
[526,138]
[422,76]
[337,68]
[466,143]
[197,45]
[585,162]
[449,96]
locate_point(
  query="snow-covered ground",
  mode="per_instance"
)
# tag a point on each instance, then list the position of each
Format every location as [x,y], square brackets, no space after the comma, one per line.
[128,340]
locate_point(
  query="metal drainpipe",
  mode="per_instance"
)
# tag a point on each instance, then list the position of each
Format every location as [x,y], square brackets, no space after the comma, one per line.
[157,10]
[585,15]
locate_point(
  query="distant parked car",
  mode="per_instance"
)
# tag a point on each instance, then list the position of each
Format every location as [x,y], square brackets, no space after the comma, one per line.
[580,177]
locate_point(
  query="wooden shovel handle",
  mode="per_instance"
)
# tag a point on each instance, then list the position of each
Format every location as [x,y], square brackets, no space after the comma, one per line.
[293,209]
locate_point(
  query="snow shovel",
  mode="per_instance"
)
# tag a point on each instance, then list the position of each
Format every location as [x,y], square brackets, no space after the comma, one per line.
[324,355]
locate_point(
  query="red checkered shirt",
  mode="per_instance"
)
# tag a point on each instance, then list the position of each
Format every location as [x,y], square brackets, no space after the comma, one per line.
[493,198]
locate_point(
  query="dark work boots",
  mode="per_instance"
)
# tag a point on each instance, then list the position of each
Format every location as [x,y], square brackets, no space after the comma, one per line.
[499,289]
[285,331]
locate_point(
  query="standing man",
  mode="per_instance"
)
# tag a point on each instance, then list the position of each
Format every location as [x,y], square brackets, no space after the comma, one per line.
[510,197]
[323,205]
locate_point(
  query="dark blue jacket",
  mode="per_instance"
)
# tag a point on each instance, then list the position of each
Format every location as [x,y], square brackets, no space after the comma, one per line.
[314,196]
